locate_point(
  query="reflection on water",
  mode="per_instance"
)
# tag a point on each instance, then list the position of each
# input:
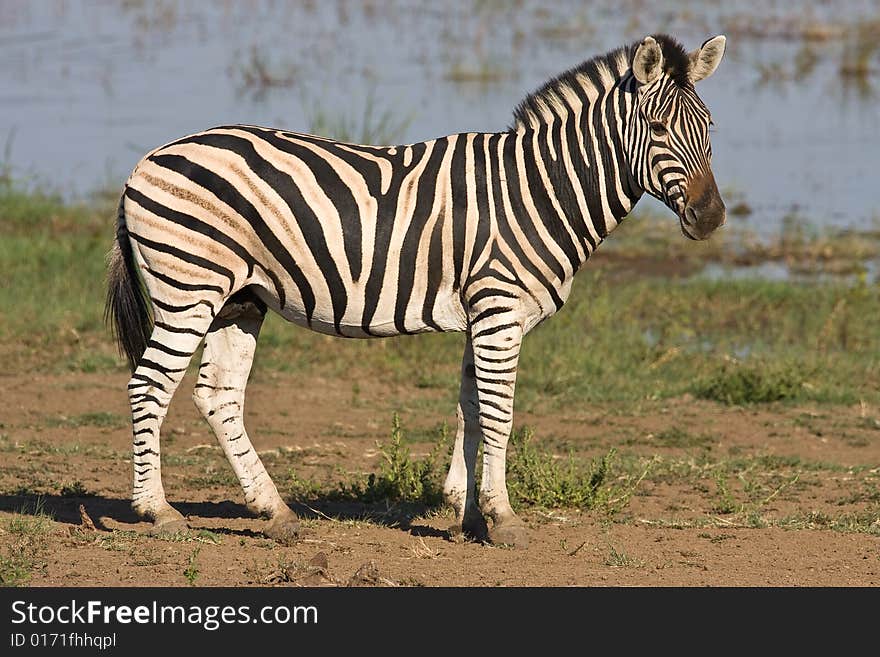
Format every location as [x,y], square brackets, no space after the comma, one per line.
[772,271]
[88,86]
[779,271]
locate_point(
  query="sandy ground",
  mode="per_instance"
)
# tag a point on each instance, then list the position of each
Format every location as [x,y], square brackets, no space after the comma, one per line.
[669,534]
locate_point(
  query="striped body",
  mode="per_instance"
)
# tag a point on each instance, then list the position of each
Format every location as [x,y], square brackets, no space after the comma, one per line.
[480,233]
[363,241]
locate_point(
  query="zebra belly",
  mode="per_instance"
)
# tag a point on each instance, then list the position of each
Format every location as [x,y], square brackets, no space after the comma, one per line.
[447,315]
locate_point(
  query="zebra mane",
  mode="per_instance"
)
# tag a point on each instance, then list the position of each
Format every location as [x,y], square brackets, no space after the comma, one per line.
[595,75]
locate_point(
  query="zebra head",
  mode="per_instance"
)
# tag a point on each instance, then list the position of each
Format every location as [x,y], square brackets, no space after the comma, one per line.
[668,134]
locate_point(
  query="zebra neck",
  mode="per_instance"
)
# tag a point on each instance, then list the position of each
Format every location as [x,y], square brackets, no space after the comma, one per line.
[577,172]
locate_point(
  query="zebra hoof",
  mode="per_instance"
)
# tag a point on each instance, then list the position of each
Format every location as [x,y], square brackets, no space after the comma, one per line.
[285,528]
[168,523]
[513,535]
[472,528]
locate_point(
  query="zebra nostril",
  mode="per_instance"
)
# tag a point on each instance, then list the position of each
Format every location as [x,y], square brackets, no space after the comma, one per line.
[690,215]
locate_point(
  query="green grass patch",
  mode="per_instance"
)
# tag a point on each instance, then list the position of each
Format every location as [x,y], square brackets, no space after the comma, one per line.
[192,571]
[52,255]
[402,478]
[74,489]
[537,477]
[630,330]
[630,340]
[859,522]
[41,447]
[618,559]
[100,419]
[197,536]
[214,475]
[754,383]
[724,501]
[26,548]
[678,437]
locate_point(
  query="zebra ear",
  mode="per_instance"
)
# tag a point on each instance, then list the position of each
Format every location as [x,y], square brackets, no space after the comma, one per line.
[705,59]
[648,61]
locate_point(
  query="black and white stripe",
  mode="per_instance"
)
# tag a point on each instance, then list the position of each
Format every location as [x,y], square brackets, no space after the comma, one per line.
[472,232]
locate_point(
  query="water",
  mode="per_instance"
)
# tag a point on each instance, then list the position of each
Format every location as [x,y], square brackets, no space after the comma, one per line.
[869,273]
[86,87]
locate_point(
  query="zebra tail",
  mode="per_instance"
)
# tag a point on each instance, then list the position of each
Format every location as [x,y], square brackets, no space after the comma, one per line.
[127,310]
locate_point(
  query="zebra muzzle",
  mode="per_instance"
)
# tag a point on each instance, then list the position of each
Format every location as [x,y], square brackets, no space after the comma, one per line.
[704,211]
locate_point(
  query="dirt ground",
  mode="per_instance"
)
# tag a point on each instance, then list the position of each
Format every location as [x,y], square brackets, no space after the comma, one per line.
[61,429]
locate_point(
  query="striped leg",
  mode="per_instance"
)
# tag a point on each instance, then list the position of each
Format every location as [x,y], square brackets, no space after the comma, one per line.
[496,344]
[175,338]
[219,396]
[460,482]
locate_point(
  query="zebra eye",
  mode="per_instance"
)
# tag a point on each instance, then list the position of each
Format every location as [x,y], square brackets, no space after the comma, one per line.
[658,128]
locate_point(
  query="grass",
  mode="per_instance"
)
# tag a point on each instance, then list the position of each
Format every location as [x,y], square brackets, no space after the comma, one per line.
[40,447]
[74,489]
[52,255]
[537,477]
[617,559]
[677,437]
[760,490]
[645,339]
[860,522]
[482,71]
[191,572]
[258,73]
[625,334]
[373,126]
[858,60]
[26,550]
[737,383]
[725,501]
[631,331]
[101,419]
[402,478]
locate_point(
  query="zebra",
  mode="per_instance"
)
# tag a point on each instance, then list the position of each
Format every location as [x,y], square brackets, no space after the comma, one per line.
[479,233]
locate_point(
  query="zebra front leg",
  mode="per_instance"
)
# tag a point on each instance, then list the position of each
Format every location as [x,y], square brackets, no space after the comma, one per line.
[459,488]
[496,344]
[150,390]
[219,396]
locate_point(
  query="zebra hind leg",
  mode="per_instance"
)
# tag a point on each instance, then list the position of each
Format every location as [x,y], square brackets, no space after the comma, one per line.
[219,396]
[159,371]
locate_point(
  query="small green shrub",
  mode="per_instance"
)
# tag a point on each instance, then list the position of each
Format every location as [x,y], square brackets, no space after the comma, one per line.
[402,478]
[617,559]
[753,383]
[537,478]
[75,489]
[725,502]
[191,572]
[678,437]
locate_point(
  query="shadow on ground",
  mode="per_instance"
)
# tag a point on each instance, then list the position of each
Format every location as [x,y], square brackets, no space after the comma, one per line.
[66,509]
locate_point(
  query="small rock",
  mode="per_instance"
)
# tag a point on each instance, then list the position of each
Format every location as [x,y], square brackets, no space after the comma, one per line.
[315,579]
[319,561]
[368,575]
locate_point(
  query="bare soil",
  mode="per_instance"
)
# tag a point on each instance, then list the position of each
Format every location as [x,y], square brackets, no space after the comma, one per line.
[60,429]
